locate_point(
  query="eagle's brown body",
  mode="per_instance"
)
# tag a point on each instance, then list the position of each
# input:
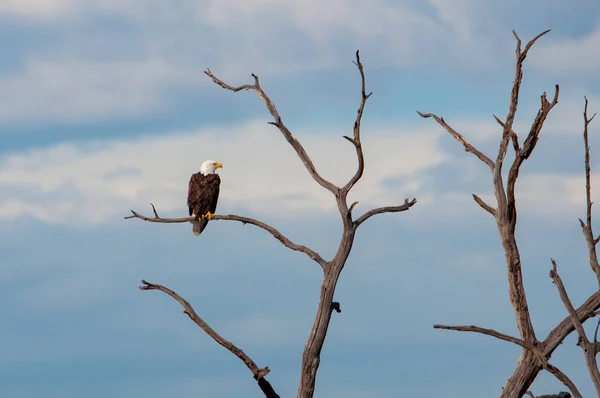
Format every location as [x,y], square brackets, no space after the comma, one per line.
[203,194]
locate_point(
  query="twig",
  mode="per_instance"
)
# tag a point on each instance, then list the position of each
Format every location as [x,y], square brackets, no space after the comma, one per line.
[154,211]
[589,349]
[514,136]
[459,138]
[280,125]
[484,205]
[258,373]
[244,220]
[388,209]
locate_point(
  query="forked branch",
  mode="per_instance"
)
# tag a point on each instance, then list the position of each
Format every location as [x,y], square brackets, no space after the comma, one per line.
[258,373]
[514,97]
[529,144]
[356,138]
[280,125]
[244,220]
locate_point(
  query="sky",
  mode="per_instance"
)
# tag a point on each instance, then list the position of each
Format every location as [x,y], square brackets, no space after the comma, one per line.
[105,108]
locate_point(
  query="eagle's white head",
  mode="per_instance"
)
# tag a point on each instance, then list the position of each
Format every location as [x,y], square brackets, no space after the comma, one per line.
[209,167]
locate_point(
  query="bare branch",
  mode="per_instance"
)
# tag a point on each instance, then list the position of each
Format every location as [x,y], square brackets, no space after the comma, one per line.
[356,140]
[258,373]
[484,205]
[530,394]
[588,188]
[459,138]
[489,332]
[389,209]
[281,126]
[589,349]
[244,220]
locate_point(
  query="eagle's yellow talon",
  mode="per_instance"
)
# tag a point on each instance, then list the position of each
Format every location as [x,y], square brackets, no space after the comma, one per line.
[209,216]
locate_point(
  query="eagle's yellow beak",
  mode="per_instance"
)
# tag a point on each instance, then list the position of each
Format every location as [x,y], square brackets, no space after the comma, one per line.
[218,165]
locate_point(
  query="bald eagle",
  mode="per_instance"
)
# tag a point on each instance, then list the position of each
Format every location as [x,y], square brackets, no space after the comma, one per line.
[203,194]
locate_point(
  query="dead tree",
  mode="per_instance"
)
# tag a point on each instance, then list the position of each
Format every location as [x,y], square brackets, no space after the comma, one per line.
[590,349]
[331,268]
[536,354]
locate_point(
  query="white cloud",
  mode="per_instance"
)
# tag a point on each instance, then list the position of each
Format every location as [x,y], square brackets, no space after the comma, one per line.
[77,89]
[34,8]
[97,183]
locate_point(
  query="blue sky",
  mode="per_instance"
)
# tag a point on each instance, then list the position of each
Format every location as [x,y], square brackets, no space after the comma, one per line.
[105,108]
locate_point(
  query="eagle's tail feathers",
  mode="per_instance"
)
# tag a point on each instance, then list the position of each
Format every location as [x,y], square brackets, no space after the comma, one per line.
[198,226]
